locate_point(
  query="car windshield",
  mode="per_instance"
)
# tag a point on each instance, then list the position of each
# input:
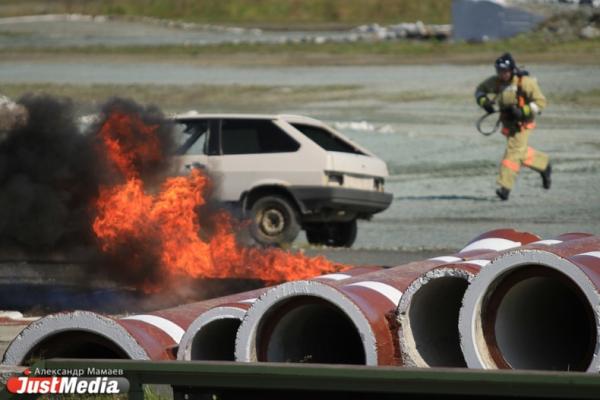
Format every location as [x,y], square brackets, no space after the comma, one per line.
[326,139]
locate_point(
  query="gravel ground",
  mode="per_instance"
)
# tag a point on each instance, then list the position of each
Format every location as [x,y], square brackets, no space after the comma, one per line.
[442,172]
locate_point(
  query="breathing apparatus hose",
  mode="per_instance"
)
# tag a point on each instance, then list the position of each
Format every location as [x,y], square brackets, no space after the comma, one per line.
[481,120]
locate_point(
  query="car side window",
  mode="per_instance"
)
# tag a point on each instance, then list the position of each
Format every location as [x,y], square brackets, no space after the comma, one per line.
[191,137]
[254,136]
[199,146]
[325,139]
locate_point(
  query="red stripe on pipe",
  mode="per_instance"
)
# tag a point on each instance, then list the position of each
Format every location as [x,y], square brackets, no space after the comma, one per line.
[155,341]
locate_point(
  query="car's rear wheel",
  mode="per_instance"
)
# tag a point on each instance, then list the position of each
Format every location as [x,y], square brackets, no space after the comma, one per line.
[274,221]
[334,234]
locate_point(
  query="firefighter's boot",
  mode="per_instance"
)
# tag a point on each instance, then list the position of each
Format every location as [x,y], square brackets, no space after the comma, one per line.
[547,177]
[503,193]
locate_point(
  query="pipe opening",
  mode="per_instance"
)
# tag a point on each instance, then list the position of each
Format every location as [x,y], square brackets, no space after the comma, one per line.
[216,340]
[309,329]
[433,317]
[538,318]
[75,344]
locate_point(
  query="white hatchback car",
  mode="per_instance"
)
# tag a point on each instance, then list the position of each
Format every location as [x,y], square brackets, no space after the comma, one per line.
[286,173]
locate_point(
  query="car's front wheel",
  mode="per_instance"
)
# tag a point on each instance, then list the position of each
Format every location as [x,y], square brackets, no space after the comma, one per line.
[335,234]
[274,221]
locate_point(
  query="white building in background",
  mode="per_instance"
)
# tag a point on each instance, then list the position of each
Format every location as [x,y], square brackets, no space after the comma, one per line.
[480,20]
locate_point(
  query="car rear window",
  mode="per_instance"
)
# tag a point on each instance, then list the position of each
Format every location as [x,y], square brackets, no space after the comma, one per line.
[251,136]
[326,139]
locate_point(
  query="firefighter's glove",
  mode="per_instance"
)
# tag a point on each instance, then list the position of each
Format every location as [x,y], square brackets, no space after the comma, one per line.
[520,113]
[486,104]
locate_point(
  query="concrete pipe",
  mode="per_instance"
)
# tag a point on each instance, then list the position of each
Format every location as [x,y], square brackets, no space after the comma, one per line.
[212,335]
[429,309]
[347,322]
[84,334]
[78,334]
[535,309]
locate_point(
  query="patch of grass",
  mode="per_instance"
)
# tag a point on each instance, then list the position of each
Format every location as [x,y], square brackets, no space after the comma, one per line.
[270,13]
[590,98]
[89,397]
[149,394]
[202,98]
[530,48]
[595,145]
[246,98]
[12,35]
[411,96]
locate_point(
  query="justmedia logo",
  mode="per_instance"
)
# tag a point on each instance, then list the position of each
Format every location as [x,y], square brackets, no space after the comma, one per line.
[66,384]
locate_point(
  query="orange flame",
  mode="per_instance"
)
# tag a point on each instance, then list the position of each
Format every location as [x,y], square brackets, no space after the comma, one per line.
[167,223]
[129,141]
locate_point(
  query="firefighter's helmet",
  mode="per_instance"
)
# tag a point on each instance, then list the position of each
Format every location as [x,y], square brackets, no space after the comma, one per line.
[505,62]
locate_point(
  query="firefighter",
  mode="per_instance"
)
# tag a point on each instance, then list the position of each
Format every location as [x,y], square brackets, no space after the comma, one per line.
[519,99]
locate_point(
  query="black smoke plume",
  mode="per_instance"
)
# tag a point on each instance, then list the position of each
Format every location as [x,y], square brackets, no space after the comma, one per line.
[51,172]
[48,177]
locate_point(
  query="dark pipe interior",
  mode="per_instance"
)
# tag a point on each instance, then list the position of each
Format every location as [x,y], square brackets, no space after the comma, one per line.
[538,318]
[309,329]
[216,340]
[433,318]
[75,344]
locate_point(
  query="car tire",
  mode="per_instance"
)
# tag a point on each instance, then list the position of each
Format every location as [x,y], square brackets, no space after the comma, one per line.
[346,234]
[315,234]
[275,221]
[334,234]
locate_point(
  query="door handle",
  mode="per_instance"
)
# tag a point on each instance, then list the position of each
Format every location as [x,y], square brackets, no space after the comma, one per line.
[195,165]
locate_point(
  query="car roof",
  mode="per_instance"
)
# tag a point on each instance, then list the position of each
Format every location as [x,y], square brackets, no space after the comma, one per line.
[192,115]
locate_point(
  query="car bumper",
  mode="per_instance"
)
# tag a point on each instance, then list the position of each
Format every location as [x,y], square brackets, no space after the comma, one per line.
[318,199]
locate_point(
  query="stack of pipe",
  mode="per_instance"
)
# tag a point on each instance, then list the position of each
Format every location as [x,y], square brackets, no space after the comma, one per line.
[536,308]
[348,322]
[152,336]
[211,336]
[506,300]
[429,309]
[85,334]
